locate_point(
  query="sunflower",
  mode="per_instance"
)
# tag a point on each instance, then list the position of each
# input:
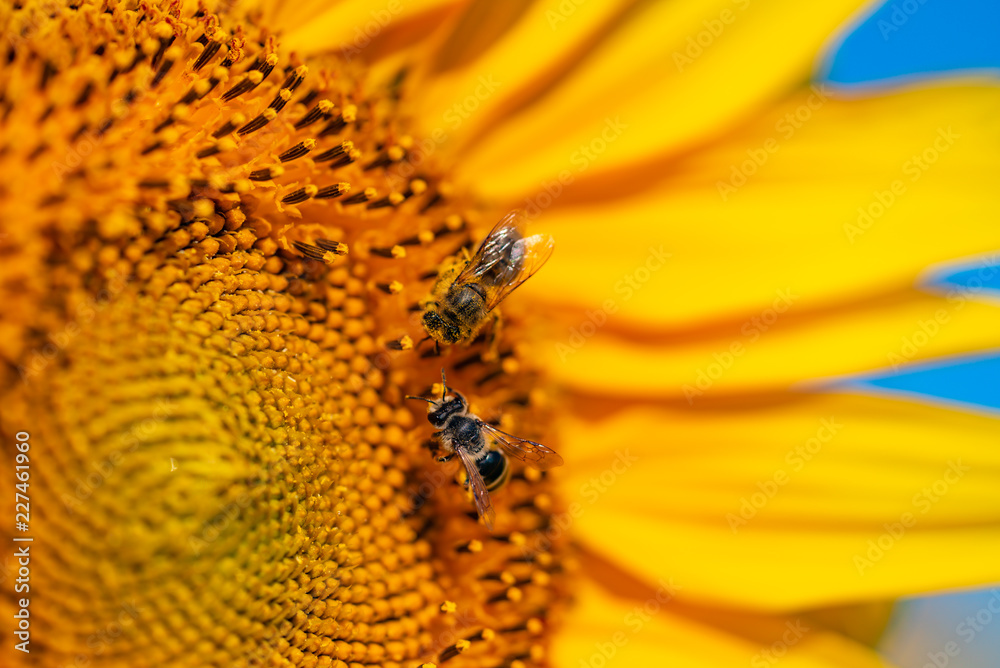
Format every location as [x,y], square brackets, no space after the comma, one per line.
[220,220]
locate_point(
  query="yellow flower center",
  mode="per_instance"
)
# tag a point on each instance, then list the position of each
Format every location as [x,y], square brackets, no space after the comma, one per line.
[210,257]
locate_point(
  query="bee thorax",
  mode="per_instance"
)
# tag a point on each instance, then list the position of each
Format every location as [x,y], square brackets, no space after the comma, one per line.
[467,434]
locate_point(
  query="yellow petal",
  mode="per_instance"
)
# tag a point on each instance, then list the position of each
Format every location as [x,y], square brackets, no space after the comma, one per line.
[647,88]
[534,55]
[792,502]
[604,630]
[481,24]
[776,348]
[356,27]
[795,223]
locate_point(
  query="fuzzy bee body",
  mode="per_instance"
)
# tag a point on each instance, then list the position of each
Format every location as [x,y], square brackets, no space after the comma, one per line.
[463,432]
[464,312]
[487,467]
[466,293]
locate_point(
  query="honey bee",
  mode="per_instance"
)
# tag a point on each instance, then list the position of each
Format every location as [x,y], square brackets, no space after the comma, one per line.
[473,440]
[464,295]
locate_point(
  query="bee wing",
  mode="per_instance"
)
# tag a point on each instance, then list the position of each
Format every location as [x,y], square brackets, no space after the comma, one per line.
[506,259]
[479,491]
[495,246]
[534,454]
[530,253]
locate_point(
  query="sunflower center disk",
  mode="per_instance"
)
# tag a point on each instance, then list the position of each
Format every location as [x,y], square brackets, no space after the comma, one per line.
[208,332]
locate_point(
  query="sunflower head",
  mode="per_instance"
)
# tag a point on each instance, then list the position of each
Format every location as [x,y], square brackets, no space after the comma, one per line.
[212,292]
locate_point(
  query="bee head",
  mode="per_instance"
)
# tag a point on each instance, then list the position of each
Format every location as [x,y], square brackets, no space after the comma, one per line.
[440,329]
[441,411]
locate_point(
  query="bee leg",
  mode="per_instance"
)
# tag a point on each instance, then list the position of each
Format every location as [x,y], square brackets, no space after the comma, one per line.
[436,451]
[431,352]
[492,353]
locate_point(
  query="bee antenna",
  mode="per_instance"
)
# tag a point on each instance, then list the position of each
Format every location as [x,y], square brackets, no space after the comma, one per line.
[419,399]
[444,385]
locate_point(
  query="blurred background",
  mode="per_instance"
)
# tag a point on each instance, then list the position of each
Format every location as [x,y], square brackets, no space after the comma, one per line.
[898,44]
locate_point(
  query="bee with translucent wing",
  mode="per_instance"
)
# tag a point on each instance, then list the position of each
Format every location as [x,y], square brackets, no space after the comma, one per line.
[473,440]
[464,295]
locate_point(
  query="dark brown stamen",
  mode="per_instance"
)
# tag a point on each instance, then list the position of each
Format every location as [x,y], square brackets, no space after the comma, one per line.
[206,152]
[395,253]
[434,200]
[267,173]
[258,122]
[300,195]
[228,126]
[162,72]
[336,190]
[334,152]
[393,199]
[453,651]
[360,198]
[206,55]
[297,151]
[404,343]
[84,95]
[332,246]
[321,110]
[309,97]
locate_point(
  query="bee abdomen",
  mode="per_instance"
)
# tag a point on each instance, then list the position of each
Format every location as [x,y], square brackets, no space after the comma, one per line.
[494,468]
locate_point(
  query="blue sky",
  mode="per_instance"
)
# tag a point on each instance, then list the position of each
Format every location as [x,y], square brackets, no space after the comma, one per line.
[912,37]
